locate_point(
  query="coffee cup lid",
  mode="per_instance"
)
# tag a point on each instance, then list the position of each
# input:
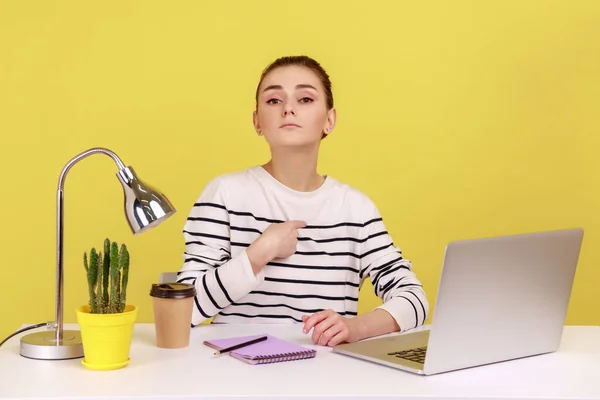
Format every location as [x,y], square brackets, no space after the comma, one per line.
[173,290]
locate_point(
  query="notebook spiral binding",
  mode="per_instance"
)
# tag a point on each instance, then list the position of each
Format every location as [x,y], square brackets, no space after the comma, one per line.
[285,357]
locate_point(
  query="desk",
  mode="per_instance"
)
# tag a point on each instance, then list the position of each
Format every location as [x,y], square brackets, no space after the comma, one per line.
[194,373]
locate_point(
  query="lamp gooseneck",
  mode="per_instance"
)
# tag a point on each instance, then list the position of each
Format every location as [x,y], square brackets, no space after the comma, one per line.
[60,230]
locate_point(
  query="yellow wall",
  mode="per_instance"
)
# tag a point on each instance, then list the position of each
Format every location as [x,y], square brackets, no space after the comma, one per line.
[460,119]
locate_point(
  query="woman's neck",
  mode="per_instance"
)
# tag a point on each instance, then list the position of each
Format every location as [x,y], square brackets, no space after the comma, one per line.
[298,171]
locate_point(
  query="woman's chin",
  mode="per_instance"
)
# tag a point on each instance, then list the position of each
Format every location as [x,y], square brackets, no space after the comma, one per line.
[293,138]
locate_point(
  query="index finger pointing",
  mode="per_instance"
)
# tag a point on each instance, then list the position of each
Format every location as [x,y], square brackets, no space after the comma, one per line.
[297,223]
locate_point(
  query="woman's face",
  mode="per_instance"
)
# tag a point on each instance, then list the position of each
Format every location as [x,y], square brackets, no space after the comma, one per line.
[292,108]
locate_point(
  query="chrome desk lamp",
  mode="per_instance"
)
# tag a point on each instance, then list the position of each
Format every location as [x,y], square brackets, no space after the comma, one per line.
[145,208]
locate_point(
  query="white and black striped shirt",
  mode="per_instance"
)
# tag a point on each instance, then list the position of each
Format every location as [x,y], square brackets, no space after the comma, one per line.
[344,242]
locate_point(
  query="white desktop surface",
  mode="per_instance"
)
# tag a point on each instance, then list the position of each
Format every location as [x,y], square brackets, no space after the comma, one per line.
[195,373]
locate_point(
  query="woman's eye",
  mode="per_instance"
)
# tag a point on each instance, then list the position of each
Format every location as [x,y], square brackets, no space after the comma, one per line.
[306,100]
[272,101]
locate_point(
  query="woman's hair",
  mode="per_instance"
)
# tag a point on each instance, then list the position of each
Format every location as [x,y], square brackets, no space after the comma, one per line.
[302,61]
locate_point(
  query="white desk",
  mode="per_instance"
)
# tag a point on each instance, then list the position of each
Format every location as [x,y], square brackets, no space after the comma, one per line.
[194,373]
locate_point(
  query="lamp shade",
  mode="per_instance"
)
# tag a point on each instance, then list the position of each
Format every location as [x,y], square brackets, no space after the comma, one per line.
[145,206]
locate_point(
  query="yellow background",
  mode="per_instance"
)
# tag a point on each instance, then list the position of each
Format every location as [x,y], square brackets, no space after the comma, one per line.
[460,119]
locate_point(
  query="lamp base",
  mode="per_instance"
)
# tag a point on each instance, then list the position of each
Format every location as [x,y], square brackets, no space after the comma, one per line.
[43,346]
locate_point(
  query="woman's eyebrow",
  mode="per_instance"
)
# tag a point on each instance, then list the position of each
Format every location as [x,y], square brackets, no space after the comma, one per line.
[279,87]
[305,86]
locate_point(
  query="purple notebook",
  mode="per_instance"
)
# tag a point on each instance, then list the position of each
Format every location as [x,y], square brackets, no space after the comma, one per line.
[271,350]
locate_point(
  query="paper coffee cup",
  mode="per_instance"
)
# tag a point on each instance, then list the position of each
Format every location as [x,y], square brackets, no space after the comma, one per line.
[172,303]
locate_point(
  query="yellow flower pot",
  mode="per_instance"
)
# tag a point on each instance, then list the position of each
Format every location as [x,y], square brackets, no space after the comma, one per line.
[106,338]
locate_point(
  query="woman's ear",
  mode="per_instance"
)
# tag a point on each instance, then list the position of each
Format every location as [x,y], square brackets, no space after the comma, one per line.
[256,123]
[330,121]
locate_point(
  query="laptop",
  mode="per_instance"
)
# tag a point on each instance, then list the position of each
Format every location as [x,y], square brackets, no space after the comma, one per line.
[499,299]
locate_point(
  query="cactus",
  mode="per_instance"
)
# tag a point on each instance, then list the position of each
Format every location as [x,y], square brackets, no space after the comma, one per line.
[107,276]
[124,264]
[99,280]
[114,276]
[92,276]
[106,270]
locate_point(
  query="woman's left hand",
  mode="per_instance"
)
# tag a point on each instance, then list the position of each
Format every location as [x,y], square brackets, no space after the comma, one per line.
[330,328]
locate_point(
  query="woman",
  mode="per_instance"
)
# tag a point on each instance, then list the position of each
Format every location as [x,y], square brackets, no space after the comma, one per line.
[281,243]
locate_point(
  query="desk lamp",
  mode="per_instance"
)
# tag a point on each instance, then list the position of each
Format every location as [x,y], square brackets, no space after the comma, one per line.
[145,208]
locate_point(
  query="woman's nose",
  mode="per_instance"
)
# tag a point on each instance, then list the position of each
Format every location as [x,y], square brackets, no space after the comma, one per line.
[288,110]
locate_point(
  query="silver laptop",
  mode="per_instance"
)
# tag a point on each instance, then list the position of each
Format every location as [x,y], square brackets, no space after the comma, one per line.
[499,299]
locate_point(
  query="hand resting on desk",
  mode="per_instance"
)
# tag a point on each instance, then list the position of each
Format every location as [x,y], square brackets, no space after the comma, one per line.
[330,328]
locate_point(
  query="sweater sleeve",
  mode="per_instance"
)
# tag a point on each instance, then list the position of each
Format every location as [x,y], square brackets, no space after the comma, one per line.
[219,277]
[391,275]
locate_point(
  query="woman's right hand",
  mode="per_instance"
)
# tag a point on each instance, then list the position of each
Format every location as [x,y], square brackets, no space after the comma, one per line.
[279,240]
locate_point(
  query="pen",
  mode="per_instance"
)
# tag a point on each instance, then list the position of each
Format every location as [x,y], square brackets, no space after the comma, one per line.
[240,345]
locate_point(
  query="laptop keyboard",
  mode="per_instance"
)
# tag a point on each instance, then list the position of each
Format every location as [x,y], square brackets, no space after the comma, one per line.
[417,355]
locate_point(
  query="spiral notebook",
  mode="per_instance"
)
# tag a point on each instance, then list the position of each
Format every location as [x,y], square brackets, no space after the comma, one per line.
[272,350]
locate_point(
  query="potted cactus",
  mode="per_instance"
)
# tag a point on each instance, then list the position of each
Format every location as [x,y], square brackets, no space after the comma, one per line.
[107,320]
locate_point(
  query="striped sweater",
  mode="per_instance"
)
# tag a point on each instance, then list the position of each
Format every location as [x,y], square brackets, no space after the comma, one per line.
[344,242]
